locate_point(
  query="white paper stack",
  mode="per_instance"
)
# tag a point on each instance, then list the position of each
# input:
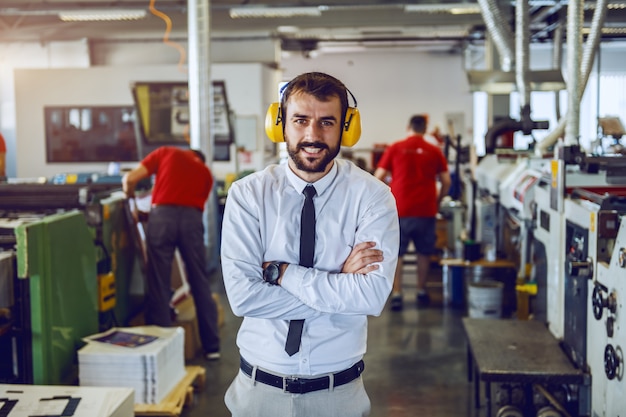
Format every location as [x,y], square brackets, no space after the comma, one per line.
[149,359]
[40,400]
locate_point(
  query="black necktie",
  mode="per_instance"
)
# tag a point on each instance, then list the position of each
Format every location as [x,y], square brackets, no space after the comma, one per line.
[307,250]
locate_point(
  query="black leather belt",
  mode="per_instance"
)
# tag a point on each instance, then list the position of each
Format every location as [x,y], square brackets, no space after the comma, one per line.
[296,385]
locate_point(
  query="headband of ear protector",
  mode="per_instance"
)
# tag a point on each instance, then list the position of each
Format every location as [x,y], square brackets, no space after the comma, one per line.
[350,133]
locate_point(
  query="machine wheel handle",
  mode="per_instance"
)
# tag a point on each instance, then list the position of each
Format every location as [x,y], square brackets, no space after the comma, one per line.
[598,302]
[611,362]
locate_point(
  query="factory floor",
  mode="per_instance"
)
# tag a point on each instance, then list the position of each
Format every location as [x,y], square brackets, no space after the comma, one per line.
[415,363]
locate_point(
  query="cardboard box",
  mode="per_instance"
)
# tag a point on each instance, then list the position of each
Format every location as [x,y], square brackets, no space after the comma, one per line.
[186,318]
[441,229]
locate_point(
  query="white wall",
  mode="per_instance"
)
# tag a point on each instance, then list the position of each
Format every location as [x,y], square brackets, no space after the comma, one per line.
[36,88]
[31,55]
[391,86]
[110,85]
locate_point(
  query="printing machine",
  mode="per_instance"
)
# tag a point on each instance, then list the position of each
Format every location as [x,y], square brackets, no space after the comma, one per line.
[68,269]
[579,265]
[595,238]
[606,335]
[490,172]
[566,182]
[505,185]
[563,217]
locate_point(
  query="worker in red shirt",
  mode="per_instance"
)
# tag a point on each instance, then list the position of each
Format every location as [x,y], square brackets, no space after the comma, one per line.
[3,160]
[413,167]
[181,188]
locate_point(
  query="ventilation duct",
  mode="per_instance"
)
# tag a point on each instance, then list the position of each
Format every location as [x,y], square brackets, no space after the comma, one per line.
[505,81]
[521,79]
[591,46]
[500,32]
[522,52]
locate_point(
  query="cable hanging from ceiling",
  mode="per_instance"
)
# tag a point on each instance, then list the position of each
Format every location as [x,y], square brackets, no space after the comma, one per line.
[166,35]
[176,45]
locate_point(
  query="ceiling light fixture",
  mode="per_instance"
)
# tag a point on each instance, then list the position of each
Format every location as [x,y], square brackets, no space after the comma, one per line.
[275,12]
[450,8]
[101,15]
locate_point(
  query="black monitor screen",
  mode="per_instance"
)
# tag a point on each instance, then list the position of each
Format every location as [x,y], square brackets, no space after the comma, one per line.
[90,133]
[163,112]
[163,116]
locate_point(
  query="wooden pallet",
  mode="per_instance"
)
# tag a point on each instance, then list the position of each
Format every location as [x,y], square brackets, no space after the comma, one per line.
[180,396]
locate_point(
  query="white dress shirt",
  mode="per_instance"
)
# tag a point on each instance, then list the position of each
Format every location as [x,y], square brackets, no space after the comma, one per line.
[262,223]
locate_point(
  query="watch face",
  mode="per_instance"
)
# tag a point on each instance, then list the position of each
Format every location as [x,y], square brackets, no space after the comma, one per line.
[271,273]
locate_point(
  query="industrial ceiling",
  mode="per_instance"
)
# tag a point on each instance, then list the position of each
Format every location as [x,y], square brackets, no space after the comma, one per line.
[369,23]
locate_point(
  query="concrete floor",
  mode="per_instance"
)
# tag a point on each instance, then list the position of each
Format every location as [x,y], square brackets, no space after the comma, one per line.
[415,364]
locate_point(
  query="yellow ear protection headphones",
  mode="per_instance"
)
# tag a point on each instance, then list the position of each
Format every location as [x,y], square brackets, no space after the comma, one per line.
[350,134]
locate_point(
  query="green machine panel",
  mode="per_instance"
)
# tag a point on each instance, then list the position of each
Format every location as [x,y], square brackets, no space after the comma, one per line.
[119,250]
[56,254]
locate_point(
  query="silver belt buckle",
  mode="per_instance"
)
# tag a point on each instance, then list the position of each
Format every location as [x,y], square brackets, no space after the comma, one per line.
[293,385]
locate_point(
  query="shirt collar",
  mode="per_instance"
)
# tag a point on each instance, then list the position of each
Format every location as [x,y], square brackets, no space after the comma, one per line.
[320,185]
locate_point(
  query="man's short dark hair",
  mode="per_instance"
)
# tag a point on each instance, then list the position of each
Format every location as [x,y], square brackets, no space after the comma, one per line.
[321,86]
[418,123]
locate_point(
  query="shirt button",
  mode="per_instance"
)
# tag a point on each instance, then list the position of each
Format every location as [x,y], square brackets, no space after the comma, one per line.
[303,360]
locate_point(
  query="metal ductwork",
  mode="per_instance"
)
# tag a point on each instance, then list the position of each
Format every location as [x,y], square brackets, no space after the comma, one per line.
[574,48]
[522,52]
[588,56]
[557,60]
[500,32]
[505,81]
[522,79]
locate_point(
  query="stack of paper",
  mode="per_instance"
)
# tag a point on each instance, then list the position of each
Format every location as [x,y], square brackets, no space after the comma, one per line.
[149,359]
[40,400]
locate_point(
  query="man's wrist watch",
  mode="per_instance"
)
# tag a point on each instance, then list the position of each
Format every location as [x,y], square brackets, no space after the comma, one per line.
[271,273]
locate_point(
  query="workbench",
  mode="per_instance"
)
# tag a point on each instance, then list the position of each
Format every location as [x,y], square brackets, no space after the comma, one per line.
[517,351]
[462,272]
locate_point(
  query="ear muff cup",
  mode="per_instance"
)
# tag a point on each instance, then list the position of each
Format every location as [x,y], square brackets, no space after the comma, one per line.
[351,127]
[274,123]
[349,137]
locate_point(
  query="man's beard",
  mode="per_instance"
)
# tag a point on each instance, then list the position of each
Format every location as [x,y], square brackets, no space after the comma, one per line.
[303,164]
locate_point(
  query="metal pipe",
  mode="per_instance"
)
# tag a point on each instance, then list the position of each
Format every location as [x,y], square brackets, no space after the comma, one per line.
[496,130]
[525,125]
[522,51]
[593,42]
[591,47]
[557,61]
[574,52]
[198,24]
[500,32]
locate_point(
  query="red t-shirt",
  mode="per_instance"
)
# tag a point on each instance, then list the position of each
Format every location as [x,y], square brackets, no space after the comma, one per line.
[181,177]
[3,145]
[414,165]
